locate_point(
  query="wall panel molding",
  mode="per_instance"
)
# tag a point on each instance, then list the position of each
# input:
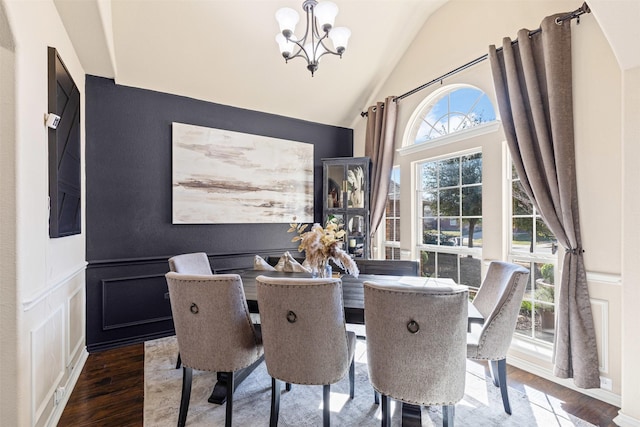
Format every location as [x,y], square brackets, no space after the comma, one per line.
[605,278]
[75,324]
[47,361]
[213,257]
[129,301]
[29,303]
[600,309]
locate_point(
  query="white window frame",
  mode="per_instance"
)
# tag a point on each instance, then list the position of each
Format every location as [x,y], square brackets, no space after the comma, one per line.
[525,342]
[475,252]
[393,244]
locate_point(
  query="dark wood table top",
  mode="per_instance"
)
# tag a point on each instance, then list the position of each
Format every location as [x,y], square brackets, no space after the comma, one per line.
[352,290]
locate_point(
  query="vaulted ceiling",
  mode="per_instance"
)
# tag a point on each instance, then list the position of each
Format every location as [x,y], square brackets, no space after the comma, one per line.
[224,51]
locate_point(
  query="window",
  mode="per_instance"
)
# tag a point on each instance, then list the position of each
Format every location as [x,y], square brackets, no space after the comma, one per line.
[533,246]
[449,192]
[454,109]
[454,151]
[448,188]
[392,217]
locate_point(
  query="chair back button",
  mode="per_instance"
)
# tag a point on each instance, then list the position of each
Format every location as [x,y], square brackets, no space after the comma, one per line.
[194,308]
[291,317]
[413,327]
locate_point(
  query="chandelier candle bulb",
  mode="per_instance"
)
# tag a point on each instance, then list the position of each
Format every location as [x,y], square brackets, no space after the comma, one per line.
[287,19]
[326,13]
[286,46]
[340,37]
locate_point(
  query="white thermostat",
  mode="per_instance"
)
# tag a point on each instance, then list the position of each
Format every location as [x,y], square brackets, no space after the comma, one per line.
[51,120]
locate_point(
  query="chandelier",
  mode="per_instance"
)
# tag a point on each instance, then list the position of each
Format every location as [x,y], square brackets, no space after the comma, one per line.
[313,45]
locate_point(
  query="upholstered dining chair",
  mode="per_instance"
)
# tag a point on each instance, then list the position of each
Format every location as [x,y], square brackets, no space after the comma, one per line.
[191,263]
[214,330]
[305,339]
[384,267]
[498,300]
[416,339]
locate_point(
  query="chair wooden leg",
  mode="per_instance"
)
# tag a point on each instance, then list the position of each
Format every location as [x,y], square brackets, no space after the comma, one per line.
[494,372]
[448,413]
[386,411]
[230,388]
[275,402]
[500,366]
[352,378]
[287,386]
[326,405]
[179,362]
[187,376]
[376,397]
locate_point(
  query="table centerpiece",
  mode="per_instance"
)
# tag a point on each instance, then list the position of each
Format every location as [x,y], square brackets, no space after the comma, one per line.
[321,244]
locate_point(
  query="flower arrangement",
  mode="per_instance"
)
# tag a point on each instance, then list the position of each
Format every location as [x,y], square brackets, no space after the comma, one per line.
[323,244]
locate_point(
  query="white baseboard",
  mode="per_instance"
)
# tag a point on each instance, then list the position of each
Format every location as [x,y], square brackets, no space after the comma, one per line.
[624,420]
[70,385]
[596,393]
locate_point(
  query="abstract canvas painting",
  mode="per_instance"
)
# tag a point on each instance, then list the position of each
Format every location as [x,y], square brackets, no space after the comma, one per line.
[224,177]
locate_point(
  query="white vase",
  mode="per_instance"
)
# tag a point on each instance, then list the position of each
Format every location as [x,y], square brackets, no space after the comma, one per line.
[357,198]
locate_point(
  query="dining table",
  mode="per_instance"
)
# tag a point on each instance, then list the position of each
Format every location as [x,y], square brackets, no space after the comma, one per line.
[352,290]
[353,301]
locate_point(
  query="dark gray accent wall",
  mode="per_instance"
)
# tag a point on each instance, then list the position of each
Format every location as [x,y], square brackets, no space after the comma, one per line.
[128,207]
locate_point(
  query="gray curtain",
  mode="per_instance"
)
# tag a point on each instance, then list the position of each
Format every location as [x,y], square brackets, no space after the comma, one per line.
[533,85]
[379,147]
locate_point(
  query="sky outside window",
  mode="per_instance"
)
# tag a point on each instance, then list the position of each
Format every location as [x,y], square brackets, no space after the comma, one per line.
[454,111]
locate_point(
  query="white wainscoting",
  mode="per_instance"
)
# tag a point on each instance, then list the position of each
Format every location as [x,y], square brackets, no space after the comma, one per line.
[47,361]
[75,320]
[55,319]
[600,311]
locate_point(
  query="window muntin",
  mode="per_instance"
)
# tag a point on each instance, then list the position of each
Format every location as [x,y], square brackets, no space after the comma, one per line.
[456,108]
[392,217]
[529,233]
[449,195]
[465,269]
[533,246]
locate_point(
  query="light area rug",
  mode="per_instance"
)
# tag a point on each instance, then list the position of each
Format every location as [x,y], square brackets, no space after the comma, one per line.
[302,406]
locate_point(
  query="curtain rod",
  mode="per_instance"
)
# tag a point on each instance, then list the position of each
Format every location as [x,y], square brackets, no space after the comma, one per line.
[573,15]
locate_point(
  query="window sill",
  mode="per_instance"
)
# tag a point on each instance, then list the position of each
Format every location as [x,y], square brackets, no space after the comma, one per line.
[451,138]
[533,349]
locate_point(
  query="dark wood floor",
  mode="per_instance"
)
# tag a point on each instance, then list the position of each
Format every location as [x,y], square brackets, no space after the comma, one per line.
[110,392]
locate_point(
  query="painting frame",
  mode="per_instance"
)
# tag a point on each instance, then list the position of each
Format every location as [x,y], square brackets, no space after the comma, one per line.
[227,177]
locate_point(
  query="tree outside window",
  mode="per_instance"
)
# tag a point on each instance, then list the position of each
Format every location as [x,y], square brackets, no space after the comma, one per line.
[450,191]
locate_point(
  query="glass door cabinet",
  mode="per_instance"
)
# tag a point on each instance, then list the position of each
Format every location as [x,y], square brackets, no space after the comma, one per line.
[345,190]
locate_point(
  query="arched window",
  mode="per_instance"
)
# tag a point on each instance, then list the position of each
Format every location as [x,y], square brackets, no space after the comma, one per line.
[448,187]
[452,109]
